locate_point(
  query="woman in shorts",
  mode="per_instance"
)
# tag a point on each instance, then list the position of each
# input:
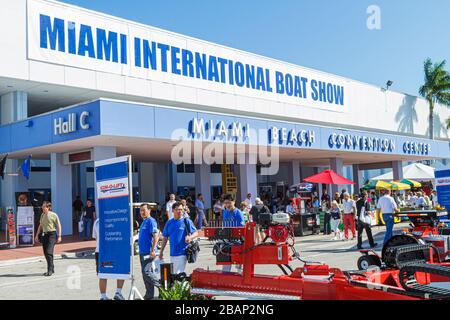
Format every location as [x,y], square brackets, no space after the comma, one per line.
[336,220]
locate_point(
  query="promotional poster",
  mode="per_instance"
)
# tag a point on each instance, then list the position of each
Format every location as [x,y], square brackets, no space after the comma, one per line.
[115,217]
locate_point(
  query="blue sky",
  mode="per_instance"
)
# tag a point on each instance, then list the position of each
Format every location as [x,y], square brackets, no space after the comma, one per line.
[326,35]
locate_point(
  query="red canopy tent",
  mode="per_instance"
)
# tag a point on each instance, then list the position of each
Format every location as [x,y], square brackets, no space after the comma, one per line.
[328,177]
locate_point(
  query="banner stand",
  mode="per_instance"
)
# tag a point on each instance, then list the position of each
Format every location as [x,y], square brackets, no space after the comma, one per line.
[134,290]
[114,200]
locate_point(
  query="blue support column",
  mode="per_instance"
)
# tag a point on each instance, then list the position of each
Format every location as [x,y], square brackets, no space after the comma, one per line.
[203,182]
[61,185]
[294,172]
[357,178]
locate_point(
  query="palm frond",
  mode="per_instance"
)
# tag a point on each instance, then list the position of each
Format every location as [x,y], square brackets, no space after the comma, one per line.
[437,83]
[443,98]
[427,69]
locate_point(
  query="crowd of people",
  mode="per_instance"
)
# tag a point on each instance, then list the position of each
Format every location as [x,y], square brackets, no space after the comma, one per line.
[354,213]
[178,221]
[357,213]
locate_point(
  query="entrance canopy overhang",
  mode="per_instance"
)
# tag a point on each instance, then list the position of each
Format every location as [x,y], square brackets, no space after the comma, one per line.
[150,133]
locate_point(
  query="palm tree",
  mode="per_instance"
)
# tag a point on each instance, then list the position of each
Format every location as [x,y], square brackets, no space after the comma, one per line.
[436,88]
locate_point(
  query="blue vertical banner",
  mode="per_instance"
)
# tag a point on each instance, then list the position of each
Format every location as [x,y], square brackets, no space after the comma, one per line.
[443,187]
[114,201]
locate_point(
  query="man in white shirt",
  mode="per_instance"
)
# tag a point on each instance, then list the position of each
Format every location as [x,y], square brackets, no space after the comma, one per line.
[248,201]
[349,206]
[102,283]
[413,200]
[387,206]
[421,202]
[169,205]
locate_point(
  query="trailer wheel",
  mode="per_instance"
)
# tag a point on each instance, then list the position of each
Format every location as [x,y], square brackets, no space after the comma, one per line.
[366,261]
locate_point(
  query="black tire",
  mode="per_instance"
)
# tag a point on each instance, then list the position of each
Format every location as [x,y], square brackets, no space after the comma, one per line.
[366,261]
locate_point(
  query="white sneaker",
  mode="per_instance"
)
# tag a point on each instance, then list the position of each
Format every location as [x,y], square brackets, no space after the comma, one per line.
[335,238]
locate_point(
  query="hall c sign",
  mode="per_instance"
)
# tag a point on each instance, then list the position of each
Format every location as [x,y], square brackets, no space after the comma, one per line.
[69,125]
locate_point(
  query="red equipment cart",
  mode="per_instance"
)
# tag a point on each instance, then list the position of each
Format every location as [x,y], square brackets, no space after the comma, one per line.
[312,281]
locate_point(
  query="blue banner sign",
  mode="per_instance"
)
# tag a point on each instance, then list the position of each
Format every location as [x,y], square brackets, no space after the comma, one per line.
[113,181]
[443,187]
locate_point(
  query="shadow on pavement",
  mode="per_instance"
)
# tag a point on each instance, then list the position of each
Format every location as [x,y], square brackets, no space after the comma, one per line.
[86,256]
[20,275]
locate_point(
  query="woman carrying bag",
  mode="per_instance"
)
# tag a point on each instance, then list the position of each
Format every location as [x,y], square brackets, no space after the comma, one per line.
[364,220]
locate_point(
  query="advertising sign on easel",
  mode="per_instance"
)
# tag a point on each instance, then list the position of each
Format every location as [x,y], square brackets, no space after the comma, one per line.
[443,187]
[11,227]
[25,226]
[114,207]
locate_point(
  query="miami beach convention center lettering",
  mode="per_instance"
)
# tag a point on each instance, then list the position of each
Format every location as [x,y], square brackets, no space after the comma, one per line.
[97,44]
[363,143]
[305,136]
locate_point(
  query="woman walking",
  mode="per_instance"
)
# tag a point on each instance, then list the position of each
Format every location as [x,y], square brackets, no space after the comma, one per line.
[326,208]
[48,233]
[336,220]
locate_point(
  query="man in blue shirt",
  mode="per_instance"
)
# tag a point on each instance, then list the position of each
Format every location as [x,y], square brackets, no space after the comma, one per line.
[148,240]
[232,217]
[200,219]
[175,230]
